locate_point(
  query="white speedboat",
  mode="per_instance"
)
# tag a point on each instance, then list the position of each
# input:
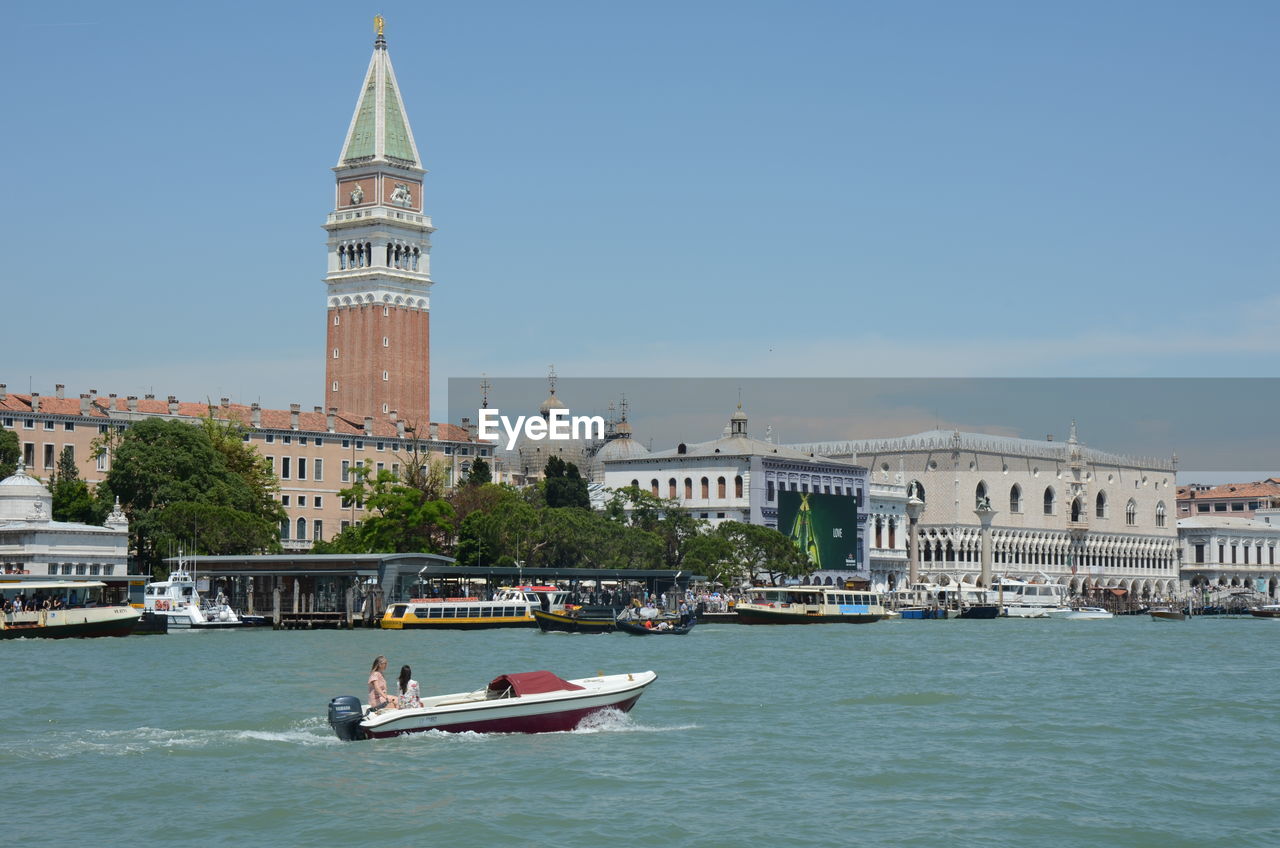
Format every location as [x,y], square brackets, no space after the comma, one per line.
[178,600]
[1088,614]
[80,611]
[528,702]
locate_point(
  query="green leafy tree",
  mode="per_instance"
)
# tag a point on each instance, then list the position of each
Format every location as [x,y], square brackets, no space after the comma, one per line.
[564,485]
[480,473]
[171,478]
[673,525]
[757,551]
[10,450]
[403,519]
[72,499]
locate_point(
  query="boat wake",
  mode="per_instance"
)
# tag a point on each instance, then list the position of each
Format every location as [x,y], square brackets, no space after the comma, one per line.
[62,745]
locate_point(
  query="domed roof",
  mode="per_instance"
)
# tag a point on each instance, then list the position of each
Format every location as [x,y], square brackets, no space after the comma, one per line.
[23,497]
[552,402]
[624,448]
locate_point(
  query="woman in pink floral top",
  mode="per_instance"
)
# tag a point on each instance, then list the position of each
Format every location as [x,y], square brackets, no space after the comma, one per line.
[378,697]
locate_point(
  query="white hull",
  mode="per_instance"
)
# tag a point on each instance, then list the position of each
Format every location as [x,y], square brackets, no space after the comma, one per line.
[559,710]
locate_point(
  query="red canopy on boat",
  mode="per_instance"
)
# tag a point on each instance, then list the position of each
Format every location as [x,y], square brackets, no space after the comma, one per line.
[531,683]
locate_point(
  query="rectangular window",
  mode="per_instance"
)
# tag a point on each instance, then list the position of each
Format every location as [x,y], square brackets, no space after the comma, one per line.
[271,463]
[284,467]
[1219,507]
[317,469]
[302,468]
[346,471]
[346,443]
[359,444]
[344,525]
[382,445]
[768,493]
[1202,507]
[70,451]
[317,530]
[1200,553]
[102,461]
[48,456]
[29,455]
[302,440]
[284,500]
[381,467]
[288,440]
[271,438]
[1237,507]
[48,425]
[302,500]
[317,502]
[29,424]
[68,425]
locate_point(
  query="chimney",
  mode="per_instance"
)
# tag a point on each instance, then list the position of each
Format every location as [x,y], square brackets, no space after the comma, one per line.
[333,414]
[4,391]
[93,394]
[173,405]
[1049,438]
[255,414]
[35,401]
[84,404]
[433,431]
[294,409]
[466,425]
[132,402]
[225,403]
[368,425]
[399,427]
[60,390]
[394,415]
[148,397]
[317,409]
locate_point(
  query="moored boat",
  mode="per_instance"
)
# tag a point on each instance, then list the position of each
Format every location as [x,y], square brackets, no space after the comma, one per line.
[590,619]
[1266,611]
[1168,614]
[528,702]
[178,599]
[511,607]
[1088,614]
[809,605]
[1021,599]
[80,612]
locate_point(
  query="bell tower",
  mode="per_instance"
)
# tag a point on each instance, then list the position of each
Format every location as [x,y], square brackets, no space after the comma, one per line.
[378,286]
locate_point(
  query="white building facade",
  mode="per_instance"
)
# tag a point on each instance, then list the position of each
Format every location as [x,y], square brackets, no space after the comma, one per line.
[1224,553]
[32,543]
[1082,517]
[737,478]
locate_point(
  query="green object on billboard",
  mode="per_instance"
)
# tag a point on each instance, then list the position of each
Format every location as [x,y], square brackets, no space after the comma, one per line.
[823,527]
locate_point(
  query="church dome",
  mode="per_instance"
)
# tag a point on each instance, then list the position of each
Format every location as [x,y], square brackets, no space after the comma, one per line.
[624,448]
[23,497]
[551,403]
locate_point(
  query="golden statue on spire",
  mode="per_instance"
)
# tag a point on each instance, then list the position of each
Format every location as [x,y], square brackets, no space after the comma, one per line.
[377,25]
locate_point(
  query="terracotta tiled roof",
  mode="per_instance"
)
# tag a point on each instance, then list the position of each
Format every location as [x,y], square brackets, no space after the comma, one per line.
[344,424]
[1266,488]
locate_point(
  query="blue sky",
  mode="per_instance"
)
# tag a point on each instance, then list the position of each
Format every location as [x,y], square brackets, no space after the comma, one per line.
[818,189]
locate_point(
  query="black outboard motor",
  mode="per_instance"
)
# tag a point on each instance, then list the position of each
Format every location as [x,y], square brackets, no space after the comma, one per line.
[345,714]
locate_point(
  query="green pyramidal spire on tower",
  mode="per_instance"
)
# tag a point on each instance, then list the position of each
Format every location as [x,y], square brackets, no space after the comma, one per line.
[379,128]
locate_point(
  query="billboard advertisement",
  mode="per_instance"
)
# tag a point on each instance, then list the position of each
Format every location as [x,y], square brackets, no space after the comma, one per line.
[825,527]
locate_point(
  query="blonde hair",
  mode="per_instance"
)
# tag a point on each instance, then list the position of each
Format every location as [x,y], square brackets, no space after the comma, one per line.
[377,661]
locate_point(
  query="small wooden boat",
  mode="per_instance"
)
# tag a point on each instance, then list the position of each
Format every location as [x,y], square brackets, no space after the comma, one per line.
[528,702]
[1168,615]
[577,620]
[652,627]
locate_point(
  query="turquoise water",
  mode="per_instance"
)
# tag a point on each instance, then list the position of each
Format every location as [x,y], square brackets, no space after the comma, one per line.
[1127,732]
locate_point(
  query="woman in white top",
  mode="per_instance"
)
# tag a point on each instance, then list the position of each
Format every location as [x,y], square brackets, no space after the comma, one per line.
[409,694]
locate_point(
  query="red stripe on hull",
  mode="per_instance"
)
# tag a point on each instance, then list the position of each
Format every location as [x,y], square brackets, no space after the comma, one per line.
[557,722]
